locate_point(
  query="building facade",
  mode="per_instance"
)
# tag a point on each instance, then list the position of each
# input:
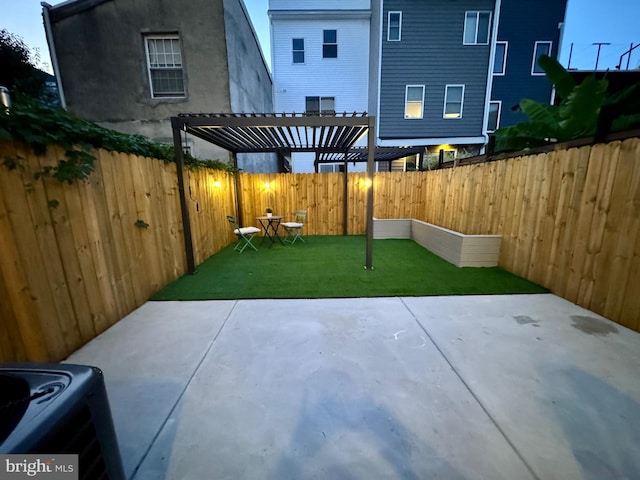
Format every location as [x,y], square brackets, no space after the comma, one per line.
[320,61]
[434,74]
[130,66]
[526,30]
[440,74]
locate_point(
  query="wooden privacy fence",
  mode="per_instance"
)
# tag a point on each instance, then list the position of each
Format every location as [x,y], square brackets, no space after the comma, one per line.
[74,259]
[569,219]
[321,194]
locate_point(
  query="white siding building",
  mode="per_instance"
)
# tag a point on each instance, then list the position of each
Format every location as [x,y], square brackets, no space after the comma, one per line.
[320,61]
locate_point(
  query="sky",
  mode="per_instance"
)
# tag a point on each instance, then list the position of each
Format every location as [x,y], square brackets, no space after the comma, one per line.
[587,21]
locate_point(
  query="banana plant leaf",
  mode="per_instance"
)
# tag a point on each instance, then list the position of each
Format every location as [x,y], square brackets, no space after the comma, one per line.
[579,112]
[557,75]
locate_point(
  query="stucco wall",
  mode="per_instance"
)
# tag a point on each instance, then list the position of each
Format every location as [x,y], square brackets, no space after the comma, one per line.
[103,66]
[250,85]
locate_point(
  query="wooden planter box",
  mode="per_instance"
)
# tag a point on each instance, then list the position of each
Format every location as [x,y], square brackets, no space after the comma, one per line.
[455,247]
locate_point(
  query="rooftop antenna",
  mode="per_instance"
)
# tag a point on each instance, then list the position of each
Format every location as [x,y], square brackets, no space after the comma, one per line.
[599,44]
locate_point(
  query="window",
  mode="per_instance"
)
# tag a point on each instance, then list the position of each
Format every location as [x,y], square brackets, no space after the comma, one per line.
[329,44]
[500,61]
[298,50]
[318,105]
[540,48]
[331,168]
[494,116]
[414,101]
[453,100]
[394,27]
[476,28]
[164,62]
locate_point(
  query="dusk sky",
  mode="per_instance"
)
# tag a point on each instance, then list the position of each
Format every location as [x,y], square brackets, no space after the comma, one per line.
[587,21]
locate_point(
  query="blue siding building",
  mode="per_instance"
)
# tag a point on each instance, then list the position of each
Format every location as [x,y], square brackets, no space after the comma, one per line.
[526,29]
[450,71]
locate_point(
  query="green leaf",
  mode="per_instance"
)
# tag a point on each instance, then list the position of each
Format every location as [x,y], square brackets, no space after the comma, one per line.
[626,122]
[541,112]
[557,75]
[579,112]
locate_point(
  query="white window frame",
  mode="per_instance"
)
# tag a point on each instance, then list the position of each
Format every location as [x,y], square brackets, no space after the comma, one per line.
[294,51]
[329,168]
[534,61]
[389,39]
[320,111]
[504,59]
[329,44]
[499,103]
[446,94]
[150,68]
[464,30]
[406,102]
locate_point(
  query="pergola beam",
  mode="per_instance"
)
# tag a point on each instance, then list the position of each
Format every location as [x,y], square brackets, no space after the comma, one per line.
[280,133]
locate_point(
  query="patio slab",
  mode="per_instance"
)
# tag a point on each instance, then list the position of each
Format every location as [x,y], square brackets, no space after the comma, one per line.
[521,386]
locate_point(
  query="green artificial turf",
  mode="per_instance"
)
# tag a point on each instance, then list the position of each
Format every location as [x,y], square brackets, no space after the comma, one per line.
[333,267]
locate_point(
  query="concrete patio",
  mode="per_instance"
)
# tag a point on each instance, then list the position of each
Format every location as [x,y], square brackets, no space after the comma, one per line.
[492,387]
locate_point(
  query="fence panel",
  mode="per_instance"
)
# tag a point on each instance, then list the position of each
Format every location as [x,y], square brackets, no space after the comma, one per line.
[77,258]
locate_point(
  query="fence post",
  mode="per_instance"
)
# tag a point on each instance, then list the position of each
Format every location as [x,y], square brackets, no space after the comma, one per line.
[184,209]
[345,201]
[370,174]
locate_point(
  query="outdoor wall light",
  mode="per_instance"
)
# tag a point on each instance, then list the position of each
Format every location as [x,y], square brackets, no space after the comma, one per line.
[216,184]
[365,183]
[267,186]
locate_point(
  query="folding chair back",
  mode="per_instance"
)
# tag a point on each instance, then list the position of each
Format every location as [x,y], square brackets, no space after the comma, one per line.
[294,229]
[245,234]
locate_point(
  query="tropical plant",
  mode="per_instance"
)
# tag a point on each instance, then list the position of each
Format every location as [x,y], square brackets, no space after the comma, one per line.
[585,109]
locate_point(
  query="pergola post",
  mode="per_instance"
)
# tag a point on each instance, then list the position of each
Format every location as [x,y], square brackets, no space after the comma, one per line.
[184,209]
[345,194]
[236,188]
[371,143]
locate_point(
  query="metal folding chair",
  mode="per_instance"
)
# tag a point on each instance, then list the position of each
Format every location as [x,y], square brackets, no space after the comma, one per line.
[245,234]
[294,229]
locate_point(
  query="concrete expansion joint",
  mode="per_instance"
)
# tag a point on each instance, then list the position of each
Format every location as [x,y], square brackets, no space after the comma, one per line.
[182,393]
[472,393]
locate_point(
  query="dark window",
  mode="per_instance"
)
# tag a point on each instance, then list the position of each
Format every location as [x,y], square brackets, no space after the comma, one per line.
[453,101]
[329,44]
[500,62]
[540,48]
[318,105]
[164,64]
[476,28]
[494,116]
[298,50]
[395,23]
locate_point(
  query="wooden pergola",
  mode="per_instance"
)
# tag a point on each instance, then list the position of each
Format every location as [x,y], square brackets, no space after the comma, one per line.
[326,134]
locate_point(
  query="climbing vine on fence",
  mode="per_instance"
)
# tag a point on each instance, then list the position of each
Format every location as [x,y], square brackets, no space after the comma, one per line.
[39,125]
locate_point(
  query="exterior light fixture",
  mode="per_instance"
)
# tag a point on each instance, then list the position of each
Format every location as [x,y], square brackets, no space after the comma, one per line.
[216,184]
